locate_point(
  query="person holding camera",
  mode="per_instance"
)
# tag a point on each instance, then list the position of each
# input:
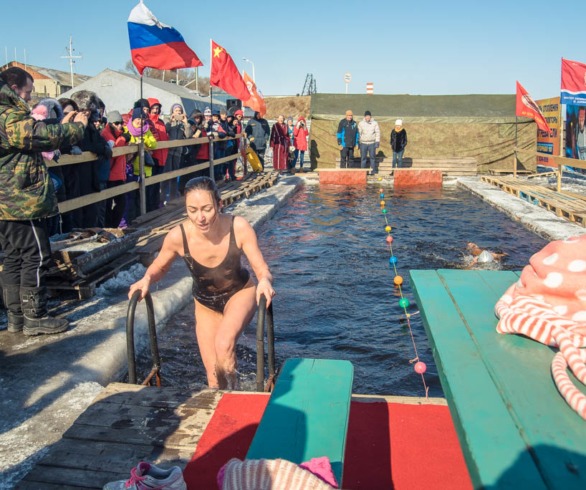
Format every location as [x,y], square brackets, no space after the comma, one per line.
[27,200]
[177,129]
[300,134]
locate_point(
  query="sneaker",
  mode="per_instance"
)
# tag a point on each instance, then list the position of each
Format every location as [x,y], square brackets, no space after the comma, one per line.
[147,476]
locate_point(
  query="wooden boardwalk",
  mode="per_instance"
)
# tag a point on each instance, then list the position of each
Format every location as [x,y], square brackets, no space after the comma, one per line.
[124,425]
[564,204]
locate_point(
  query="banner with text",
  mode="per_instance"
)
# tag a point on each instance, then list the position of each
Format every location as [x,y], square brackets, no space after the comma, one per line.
[549,141]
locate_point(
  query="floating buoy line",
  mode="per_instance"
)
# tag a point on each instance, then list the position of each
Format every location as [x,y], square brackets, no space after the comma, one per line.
[419,366]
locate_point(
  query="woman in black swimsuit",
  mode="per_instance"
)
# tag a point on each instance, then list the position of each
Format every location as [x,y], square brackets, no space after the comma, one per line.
[211,243]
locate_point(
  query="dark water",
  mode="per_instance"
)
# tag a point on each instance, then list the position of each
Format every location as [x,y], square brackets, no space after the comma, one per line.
[335,294]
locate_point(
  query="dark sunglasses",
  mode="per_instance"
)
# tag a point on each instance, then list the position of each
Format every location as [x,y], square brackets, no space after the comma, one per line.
[117,123]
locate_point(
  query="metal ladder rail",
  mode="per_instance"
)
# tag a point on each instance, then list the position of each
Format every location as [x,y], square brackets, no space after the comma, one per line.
[265,313]
[156,370]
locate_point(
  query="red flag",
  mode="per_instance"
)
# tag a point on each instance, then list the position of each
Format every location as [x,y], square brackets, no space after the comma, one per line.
[256,101]
[526,107]
[225,75]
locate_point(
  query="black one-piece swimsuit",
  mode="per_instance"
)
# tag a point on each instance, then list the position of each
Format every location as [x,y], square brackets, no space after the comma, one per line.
[214,286]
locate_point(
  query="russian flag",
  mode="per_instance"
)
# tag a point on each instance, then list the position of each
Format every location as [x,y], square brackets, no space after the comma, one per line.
[156,45]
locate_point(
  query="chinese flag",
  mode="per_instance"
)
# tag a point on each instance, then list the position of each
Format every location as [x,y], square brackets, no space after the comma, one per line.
[526,107]
[256,101]
[225,75]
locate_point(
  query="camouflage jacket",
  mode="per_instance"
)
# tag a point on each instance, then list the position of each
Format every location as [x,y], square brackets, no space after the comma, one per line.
[26,191]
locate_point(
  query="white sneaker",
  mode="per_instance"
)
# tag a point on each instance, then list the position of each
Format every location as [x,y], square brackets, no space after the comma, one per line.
[147,476]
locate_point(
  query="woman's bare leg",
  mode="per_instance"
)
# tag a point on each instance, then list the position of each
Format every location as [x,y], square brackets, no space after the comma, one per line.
[238,313]
[206,327]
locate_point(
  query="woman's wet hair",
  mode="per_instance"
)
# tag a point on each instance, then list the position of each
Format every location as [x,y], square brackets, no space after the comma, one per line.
[203,184]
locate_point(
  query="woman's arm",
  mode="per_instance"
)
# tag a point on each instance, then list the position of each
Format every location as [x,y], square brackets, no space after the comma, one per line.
[249,244]
[160,266]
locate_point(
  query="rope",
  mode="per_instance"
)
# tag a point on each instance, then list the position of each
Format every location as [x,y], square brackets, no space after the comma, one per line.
[419,367]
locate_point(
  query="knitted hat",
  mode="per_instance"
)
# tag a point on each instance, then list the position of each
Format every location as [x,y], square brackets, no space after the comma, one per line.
[86,100]
[239,113]
[216,113]
[114,117]
[142,103]
[399,122]
[207,112]
[367,113]
[177,105]
[349,113]
[137,113]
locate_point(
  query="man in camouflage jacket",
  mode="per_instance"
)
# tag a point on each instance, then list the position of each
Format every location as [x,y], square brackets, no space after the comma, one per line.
[27,199]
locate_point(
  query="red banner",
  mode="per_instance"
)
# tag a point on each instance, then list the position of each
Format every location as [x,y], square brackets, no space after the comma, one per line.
[225,75]
[526,107]
[256,101]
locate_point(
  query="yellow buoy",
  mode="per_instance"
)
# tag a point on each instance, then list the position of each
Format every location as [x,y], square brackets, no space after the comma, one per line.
[382,203]
[388,229]
[398,280]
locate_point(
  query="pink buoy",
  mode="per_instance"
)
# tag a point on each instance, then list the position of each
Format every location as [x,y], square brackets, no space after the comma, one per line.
[389,239]
[420,367]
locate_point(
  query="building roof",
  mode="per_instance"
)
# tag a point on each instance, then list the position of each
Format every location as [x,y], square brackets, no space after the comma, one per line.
[172,88]
[62,77]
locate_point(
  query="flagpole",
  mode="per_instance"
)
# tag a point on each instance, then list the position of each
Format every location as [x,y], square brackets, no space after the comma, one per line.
[212,111]
[142,184]
[515,157]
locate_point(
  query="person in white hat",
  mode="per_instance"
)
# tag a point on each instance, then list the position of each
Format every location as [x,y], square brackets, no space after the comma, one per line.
[398,143]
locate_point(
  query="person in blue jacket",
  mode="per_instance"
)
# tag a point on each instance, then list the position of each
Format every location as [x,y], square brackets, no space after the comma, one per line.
[347,139]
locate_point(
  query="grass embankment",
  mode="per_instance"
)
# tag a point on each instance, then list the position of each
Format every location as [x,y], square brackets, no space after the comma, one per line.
[288,106]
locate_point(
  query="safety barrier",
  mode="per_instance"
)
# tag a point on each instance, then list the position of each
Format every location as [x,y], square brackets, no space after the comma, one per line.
[144,181]
[265,313]
[156,370]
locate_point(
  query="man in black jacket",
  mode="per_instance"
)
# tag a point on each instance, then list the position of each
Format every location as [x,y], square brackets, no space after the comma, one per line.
[258,132]
[347,139]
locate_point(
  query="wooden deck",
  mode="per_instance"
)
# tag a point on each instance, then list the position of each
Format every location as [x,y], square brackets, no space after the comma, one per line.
[457,166]
[564,204]
[124,425]
[515,429]
[127,423]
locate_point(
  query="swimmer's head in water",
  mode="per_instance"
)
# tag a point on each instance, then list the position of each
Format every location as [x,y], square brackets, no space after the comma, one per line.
[203,203]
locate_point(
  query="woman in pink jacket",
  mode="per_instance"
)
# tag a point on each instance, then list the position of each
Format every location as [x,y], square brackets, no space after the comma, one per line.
[300,141]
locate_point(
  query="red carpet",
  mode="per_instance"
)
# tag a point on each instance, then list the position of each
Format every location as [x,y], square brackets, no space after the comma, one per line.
[390,445]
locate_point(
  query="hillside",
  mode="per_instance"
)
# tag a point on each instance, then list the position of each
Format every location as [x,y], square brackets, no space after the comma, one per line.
[288,106]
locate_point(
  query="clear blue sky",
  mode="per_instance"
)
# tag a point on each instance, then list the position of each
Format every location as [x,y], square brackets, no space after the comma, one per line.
[415,47]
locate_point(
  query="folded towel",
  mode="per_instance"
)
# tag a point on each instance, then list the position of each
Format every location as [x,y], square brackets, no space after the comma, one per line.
[548,304]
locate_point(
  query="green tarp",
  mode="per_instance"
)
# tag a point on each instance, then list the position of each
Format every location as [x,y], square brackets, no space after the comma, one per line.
[442,126]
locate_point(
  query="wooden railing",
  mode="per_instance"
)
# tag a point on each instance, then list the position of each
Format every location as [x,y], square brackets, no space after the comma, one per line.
[144,181]
[558,160]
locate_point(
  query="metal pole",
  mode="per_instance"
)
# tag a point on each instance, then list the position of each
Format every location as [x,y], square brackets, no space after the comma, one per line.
[211,138]
[142,184]
[515,157]
[196,80]
[561,130]
[346,88]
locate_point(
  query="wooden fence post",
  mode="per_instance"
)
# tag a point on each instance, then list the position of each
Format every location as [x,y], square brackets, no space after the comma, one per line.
[142,188]
[212,160]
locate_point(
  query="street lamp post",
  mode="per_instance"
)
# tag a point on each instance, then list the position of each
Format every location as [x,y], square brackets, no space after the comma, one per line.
[253,77]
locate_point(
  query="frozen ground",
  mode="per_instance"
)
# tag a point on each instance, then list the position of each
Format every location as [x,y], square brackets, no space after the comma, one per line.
[47,381]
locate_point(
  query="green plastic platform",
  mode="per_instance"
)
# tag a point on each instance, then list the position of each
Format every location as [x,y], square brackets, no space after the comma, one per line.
[307,414]
[515,429]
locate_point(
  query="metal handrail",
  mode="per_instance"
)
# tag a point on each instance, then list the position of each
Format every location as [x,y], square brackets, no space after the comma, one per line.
[156,370]
[265,313]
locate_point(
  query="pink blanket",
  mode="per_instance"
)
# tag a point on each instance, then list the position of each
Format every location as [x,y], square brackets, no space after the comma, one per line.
[548,304]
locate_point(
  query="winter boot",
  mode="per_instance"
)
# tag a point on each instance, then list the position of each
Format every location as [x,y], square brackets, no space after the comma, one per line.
[11,296]
[36,318]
